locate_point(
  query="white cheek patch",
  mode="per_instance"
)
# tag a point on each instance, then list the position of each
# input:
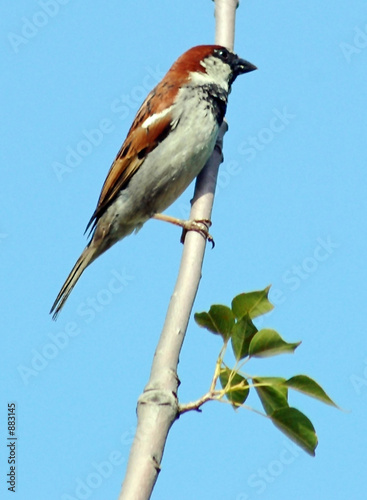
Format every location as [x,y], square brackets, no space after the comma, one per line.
[216,72]
[156,117]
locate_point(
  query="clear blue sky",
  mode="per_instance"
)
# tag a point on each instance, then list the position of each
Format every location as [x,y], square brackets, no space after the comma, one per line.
[290,211]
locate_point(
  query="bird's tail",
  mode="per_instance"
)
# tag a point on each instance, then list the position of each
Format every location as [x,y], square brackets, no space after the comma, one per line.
[88,255]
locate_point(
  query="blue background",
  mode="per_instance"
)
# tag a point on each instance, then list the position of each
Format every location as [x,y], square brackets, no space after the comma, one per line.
[290,210]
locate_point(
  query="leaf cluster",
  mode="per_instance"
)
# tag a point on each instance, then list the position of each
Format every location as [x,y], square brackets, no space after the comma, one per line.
[235,325]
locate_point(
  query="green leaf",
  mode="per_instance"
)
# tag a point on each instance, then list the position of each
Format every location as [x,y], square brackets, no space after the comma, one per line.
[238,395]
[268,342]
[272,396]
[242,334]
[297,427]
[218,320]
[307,385]
[253,303]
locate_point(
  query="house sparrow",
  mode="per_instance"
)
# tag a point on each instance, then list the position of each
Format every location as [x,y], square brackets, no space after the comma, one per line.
[168,144]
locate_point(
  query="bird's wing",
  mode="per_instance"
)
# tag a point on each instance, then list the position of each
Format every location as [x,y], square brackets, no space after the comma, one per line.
[143,137]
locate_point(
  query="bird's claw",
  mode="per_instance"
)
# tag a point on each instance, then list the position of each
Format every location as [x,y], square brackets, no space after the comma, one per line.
[197,225]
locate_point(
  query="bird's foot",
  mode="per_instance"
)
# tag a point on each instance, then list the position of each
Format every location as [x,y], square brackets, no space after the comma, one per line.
[200,226]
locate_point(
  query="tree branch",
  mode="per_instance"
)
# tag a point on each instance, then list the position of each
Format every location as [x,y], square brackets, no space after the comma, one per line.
[158,405]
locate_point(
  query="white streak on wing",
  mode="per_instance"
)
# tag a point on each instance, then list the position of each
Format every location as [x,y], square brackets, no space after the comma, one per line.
[157,116]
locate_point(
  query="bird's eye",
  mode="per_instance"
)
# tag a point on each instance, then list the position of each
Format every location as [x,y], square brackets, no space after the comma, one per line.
[223,54]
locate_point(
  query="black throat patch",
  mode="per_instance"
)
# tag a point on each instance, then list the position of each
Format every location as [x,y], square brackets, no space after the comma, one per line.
[217,100]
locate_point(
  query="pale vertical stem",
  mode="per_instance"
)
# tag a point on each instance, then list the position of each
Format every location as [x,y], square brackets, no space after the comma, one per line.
[158,405]
[225,18]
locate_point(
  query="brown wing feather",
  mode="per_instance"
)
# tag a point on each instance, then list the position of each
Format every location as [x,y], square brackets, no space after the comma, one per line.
[139,142]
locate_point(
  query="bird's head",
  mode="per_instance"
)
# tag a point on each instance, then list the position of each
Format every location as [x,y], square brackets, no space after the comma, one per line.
[212,64]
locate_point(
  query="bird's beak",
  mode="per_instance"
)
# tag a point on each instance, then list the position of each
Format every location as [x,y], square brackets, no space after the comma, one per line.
[241,66]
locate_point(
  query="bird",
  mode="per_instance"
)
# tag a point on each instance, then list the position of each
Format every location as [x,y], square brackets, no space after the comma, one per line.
[169,142]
